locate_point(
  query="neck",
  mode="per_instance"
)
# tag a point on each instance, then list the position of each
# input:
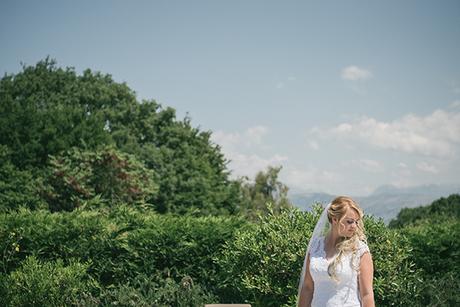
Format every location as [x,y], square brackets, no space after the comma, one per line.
[333,237]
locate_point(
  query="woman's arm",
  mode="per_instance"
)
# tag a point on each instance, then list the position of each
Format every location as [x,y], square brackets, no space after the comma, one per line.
[306,293]
[366,269]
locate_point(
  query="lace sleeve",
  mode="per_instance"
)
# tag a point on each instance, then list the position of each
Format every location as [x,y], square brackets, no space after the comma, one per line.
[356,260]
[362,248]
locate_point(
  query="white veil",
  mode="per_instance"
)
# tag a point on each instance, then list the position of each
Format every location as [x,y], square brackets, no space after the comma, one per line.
[321,229]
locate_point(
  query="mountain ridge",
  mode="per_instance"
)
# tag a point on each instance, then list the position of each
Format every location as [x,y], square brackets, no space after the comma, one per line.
[386,201]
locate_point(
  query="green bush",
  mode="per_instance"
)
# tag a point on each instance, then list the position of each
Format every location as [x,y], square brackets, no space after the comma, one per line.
[184,245]
[81,235]
[397,282]
[228,259]
[120,243]
[38,283]
[262,264]
[436,253]
[436,246]
[145,291]
[441,290]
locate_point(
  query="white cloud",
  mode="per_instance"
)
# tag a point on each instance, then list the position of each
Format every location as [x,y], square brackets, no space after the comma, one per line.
[313,145]
[312,179]
[344,128]
[402,165]
[242,149]
[402,176]
[255,134]
[248,165]
[403,171]
[455,86]
[355,73]
[455,104]
[283,83]
[368,165]
[425,167]
[233,141]
[437,134]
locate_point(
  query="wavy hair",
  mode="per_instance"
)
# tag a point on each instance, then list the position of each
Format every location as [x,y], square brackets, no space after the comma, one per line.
[337,209]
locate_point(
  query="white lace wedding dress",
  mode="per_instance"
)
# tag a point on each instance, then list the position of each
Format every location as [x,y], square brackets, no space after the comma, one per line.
[328,292]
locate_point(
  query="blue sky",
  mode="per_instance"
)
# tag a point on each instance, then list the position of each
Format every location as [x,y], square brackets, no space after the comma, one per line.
[345,95]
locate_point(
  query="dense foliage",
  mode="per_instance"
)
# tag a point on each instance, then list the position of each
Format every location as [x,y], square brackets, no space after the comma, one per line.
[433,232]
[119,246]
[18,188]
[261,266]
[138,257]
[49,283]
[114,177]
[436,255]
[47,111]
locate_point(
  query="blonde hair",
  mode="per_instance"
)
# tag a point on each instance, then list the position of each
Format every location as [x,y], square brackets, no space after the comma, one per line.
[337,210]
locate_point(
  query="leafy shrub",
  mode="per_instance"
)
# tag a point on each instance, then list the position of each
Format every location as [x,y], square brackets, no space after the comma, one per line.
[120,243]
[4,283]
[436,253]
[38,283]
[81,235]
[436,246]
[146,291]
[433,233]
[262,264]
[228,259]
[441,290]
[397,282]
[183,246]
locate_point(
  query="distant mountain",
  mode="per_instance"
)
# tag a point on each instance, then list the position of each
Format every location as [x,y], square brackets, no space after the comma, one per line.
[386,201]
[429,189]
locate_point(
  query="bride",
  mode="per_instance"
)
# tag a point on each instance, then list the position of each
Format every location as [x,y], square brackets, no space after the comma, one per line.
[338,268]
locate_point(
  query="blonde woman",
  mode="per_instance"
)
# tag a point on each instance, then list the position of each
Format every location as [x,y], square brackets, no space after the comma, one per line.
[338,269]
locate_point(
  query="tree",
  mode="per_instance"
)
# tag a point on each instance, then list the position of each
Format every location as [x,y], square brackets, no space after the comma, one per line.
[110,176]
[17,187]
[47,110]
[265,193]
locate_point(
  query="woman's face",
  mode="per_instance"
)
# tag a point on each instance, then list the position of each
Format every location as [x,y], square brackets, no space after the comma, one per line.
[348,223]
